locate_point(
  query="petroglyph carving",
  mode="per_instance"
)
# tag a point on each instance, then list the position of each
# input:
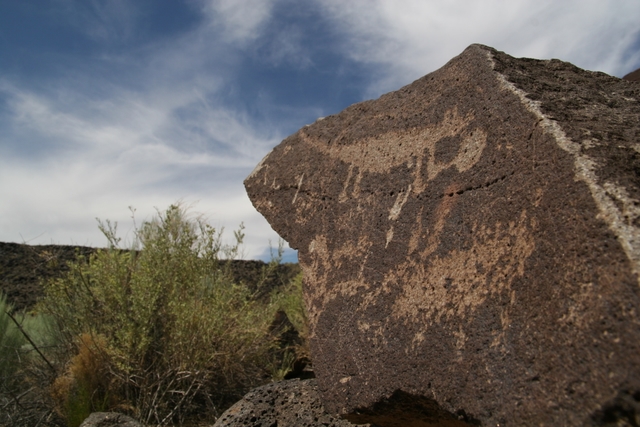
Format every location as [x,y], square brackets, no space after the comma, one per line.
[472,238]
[380,155]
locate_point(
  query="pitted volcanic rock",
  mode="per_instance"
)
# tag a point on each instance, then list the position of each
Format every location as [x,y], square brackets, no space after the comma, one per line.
[633,76]
[291,403]
[471,239]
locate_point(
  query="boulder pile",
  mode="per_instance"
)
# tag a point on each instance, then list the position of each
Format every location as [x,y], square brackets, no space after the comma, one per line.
[471,244]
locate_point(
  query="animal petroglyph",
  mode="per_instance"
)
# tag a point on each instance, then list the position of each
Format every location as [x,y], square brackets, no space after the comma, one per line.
[418,150]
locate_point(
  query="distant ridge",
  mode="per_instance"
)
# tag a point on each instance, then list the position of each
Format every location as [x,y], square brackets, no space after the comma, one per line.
[24,267]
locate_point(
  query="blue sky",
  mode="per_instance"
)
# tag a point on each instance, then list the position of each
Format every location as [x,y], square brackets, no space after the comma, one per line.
[106,104]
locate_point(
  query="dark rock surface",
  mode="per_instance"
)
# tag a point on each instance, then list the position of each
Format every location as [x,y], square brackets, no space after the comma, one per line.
[23,268]
[291,403]
[633,76]
[109,419]
[471,239]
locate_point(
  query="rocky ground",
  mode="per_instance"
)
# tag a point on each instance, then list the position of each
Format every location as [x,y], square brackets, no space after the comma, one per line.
[24,268]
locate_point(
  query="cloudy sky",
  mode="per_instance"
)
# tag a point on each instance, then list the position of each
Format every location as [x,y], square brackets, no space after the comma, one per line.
[106,104]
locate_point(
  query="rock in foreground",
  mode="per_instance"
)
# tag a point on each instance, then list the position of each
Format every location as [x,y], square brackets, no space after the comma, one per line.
[291,403]
[471,239]
[109,419]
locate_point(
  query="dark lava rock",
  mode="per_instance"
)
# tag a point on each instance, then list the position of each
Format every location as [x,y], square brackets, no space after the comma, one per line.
[109,419]
[291,403]
[23,268]
[471,242]
[633,76]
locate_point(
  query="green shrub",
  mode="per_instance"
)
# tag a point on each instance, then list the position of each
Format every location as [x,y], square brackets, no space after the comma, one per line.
[294,349]
[11,342]
[161,327]
[290,299]
[23,367]
[85,385]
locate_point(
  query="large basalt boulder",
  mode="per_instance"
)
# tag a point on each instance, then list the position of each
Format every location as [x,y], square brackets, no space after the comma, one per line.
[471,239]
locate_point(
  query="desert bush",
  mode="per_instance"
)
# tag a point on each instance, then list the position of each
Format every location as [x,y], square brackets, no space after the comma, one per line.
[11,342]
[23,367]
[85,385]
[159,330]
[293,329]
[290,299]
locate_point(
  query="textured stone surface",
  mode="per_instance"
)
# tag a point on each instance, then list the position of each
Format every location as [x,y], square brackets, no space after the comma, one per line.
[633,76]
[291,403]
[109,419]
[471,238]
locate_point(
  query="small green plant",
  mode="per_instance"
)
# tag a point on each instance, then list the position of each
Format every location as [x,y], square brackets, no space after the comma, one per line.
[22,367]
[84,387]
[11,342]
[290,299]
[161,327]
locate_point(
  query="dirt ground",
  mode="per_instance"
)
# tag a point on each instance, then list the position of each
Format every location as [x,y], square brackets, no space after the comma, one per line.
[24,268]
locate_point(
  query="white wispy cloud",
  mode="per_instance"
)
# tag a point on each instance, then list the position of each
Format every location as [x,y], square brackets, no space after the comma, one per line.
[411,38]
[167,138]
[57,199]
[241,21]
